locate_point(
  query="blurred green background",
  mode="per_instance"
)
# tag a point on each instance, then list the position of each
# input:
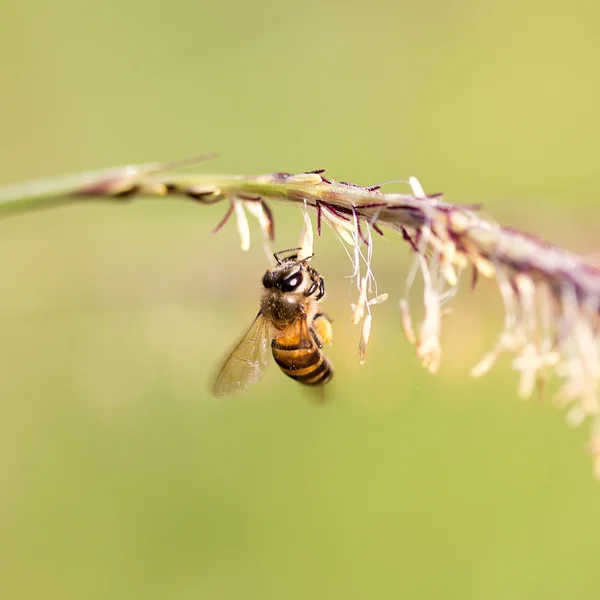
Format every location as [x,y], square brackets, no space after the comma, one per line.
[120,476]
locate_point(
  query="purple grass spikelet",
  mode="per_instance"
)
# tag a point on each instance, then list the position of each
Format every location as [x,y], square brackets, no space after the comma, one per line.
[551,296]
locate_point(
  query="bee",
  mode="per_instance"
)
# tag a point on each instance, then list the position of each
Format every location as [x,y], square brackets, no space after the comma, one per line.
[290,318]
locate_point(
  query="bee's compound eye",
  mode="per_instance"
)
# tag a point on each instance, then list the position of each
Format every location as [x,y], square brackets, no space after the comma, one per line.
[268,280]
[291,283]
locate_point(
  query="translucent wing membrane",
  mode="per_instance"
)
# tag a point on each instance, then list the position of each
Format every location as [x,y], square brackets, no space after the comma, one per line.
[248,361]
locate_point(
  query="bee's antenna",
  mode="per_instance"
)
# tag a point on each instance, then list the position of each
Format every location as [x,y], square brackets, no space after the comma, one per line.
[276,254]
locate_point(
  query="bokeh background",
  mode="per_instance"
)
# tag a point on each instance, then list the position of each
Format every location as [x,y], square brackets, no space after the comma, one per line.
[120,477]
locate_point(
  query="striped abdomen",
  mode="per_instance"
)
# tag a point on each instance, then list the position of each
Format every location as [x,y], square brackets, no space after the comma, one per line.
[301,359]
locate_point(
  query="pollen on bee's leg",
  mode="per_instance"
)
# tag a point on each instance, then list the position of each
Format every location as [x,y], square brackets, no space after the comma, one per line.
[323,328]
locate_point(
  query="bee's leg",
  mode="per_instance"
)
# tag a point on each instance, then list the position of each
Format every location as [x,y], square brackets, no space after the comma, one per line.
[321,288]
[318,283]
[318,341]
[312,289]
[322,329]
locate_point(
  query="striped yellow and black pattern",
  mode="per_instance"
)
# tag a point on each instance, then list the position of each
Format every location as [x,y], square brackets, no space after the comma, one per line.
[299,357]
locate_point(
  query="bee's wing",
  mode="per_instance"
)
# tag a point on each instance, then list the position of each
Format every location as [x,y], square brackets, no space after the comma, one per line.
[247,363]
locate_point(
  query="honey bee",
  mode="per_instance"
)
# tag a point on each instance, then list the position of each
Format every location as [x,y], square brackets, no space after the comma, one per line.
[291,319]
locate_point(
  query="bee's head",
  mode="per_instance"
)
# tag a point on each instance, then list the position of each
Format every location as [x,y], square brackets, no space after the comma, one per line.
[294,276]
[288,276]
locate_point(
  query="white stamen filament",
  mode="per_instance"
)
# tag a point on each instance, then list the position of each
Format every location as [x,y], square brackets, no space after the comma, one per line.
[428,345]
[359,309]
[364,339]
[242,224]
[416,187]
[256,209]
[406,321]
[307,237]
